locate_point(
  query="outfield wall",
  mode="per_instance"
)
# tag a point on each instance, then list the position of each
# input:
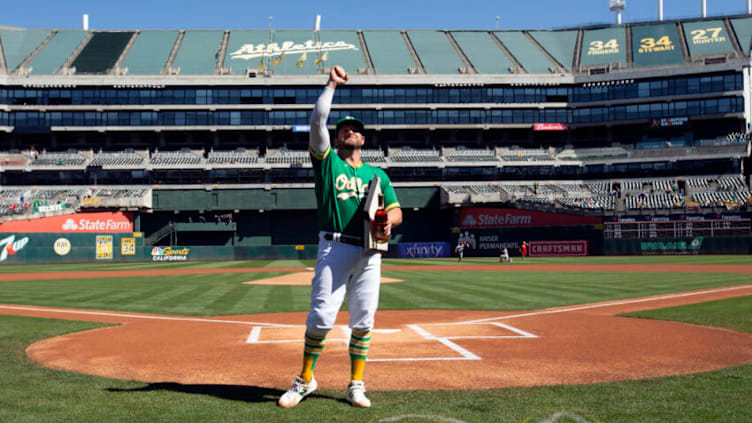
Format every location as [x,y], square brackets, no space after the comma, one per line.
[54,248]
[678,246]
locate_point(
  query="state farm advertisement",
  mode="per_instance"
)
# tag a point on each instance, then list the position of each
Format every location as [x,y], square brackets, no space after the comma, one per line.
[502,218]
[558,248]
[101,222]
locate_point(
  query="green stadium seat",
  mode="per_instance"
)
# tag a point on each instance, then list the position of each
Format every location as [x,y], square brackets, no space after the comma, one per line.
[526,53]
[483,52]
[743,29]
[53,56]
[389,53]
[198,52]
[18,45]
[436,52]
[101,52]
[149,52]
[559,44]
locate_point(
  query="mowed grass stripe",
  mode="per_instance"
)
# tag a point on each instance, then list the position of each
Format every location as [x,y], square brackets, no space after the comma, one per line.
[469,291]
[435,296]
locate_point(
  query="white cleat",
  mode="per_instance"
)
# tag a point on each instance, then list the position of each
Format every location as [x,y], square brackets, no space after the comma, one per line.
[356,394]
[297,392]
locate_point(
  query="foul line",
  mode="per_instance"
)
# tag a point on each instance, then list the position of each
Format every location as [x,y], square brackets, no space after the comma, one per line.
[141,316]
[610,304]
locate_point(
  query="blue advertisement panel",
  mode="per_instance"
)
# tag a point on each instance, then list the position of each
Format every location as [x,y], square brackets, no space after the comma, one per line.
[424,249]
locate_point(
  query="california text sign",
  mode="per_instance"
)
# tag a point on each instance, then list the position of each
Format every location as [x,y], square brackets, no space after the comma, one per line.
[500,218]
[106,222]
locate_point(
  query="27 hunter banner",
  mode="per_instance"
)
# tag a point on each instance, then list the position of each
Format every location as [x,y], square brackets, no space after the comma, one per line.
[501,218]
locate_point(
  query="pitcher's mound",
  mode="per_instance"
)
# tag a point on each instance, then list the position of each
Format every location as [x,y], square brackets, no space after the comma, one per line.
[300,278]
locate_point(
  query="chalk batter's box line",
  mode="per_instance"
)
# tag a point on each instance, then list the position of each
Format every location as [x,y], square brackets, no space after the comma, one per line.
[463,353]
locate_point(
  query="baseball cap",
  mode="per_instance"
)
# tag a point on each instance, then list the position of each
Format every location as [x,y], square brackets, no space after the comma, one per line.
[351,120]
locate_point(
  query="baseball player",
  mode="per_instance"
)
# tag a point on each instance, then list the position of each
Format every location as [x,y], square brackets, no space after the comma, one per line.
[504,256]
[460,250]
[343,266]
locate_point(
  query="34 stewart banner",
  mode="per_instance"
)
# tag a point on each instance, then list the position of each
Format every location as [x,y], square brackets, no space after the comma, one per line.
[499,218]
[103,222]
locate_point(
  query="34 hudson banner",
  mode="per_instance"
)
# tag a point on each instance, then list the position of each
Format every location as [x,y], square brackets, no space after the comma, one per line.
[501,218]
[103,222]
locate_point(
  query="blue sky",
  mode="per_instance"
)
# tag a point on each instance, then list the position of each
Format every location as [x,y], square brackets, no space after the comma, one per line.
[380,14]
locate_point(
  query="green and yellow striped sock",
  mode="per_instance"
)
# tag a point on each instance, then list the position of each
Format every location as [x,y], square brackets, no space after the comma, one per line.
[360,342]
[314,345]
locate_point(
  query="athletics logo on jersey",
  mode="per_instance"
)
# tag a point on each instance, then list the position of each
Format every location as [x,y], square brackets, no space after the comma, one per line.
[349,187]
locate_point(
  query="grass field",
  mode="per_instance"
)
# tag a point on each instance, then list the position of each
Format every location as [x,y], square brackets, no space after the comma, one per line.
[36,394]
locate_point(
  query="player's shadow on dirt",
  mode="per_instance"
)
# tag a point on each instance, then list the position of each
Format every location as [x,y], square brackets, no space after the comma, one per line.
[252,394]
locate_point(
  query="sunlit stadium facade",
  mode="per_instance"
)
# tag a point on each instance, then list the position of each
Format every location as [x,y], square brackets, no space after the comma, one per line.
[215,122]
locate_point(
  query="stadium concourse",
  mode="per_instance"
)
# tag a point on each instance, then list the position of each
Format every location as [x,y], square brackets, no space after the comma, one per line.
[632,138]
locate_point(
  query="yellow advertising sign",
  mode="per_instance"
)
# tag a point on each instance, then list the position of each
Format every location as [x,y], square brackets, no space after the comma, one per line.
[104,247]
[128,246]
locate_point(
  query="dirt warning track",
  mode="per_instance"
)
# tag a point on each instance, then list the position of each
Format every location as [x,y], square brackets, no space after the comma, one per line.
[411,349]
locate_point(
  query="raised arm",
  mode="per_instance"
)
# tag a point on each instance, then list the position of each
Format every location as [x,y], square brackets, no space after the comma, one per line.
[319,135]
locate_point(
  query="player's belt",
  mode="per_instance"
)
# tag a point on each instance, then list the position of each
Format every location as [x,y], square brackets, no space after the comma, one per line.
[347,239]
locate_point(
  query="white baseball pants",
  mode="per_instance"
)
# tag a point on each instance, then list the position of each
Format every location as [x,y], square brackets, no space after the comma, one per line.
[344,269]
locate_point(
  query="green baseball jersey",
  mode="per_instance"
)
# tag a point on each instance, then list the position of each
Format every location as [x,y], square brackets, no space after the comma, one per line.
[340,188]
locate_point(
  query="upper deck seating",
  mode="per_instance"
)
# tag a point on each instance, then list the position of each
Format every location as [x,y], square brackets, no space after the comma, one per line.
[598,187]
[559,44]
[731,183]
[372,156]
[525,155]
[526,53]
[101,52]
[19,44]
[52,57]
[435,52]
[198,52]
[149,52]
[58,159]
[721,199]
[655,201]
[288,157]
[468,155]
[175,158]
[483,52]
[121,158]
[388,52]
[606,202]
[411,155]
[233,157]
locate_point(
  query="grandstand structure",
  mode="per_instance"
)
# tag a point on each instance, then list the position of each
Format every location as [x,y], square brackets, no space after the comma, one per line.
[180,125]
